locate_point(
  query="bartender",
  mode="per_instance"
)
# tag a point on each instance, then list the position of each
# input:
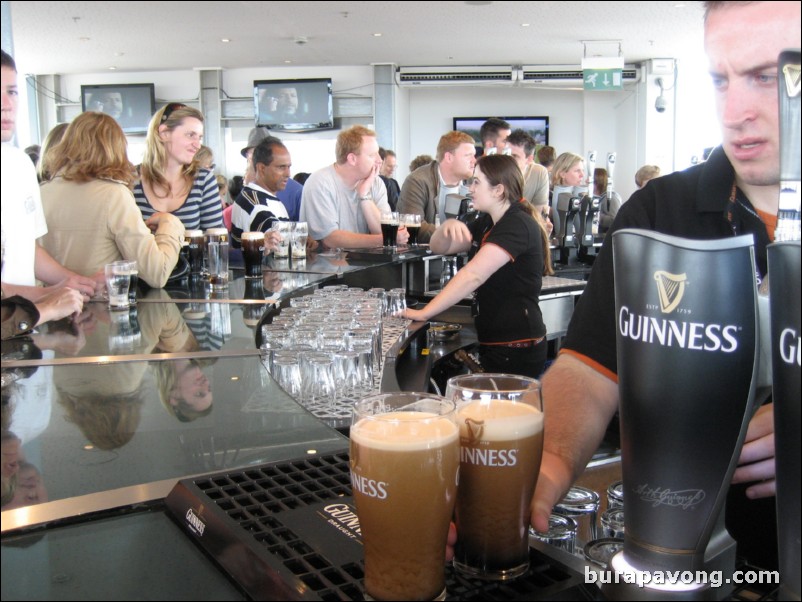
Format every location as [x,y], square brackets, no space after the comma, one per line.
[509,250]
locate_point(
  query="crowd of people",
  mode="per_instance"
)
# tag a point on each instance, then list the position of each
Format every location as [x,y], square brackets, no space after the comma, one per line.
[94,207]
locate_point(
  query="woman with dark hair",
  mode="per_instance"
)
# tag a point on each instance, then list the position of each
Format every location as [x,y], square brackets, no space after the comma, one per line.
[509,251]
[92,217]
[170,179]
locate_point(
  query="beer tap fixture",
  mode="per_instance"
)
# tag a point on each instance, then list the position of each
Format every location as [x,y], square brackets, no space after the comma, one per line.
[589,210]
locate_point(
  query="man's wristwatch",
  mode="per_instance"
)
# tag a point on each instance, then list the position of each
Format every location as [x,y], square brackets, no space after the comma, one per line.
[365,197]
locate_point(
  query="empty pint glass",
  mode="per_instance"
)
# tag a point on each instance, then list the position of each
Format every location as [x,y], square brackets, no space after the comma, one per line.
[217,243]
[253,243]
[500,418]
[404,453]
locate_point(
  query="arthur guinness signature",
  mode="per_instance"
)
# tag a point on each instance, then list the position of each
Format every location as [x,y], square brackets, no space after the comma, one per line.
[685,498]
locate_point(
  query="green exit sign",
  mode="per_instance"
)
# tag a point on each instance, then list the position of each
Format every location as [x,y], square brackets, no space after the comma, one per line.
[603,79]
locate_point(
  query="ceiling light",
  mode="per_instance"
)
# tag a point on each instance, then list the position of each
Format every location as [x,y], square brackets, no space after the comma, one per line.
[288,61]
[225,40]
[377,35]
[112,68]
[525,24]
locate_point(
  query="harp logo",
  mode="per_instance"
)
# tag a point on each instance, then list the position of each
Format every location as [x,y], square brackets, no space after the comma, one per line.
[791,74]
[670,289]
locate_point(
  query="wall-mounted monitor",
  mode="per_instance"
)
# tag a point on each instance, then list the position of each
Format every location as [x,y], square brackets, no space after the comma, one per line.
[294,105]
[132,105]
[537,127]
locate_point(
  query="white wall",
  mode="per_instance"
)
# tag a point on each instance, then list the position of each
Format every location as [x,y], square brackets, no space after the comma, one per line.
[578,121]
[624,122]
[309,151]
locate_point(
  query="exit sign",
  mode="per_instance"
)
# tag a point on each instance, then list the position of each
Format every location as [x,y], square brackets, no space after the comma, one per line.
[603,79]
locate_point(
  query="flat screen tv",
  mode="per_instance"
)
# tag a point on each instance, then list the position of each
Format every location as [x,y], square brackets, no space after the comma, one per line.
[294,105]
[132,105]
[537,127]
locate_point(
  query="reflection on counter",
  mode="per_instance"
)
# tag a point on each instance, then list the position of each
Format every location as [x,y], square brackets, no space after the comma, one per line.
[94,428]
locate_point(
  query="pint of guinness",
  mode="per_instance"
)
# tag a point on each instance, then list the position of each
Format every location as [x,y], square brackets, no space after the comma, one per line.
[687,366]
[404,451]
[389,225]
[196,244]
[253,244]
[500,418]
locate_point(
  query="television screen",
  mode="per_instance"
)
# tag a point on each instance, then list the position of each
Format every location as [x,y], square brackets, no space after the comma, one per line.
[132,105]
[294,105]
[537,127]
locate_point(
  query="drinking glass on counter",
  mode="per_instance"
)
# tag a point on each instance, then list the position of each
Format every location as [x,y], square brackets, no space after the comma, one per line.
[300,234]
[285,231]
[253,245]
[389,224]
[195,249]
[500,417]
[412,221]
[118,281]
[217,246]
[404,449]
[133,277]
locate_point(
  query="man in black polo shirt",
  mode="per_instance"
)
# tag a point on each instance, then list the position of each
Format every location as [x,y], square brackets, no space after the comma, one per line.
[734,192]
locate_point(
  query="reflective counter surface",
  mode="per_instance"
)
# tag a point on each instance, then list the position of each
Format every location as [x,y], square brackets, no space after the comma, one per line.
[103,416]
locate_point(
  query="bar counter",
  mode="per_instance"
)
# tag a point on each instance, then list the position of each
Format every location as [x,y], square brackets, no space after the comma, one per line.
[91,413]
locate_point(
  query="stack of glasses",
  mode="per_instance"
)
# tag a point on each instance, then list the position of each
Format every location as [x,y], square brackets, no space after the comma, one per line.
[326,348]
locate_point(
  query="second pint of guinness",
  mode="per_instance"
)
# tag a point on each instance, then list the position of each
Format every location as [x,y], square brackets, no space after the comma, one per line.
[500,419]
[195,247]
[253,244]
[404,449]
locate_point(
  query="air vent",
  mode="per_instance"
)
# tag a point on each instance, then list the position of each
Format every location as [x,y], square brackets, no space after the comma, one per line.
[449,76]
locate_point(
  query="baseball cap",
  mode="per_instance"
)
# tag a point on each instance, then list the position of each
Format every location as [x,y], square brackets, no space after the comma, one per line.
[254,138]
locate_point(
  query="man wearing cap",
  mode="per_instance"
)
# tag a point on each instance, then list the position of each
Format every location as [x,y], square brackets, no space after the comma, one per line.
[290,197]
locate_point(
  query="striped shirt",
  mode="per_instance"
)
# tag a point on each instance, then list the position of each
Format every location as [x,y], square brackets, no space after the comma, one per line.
[202,208]
[255,210]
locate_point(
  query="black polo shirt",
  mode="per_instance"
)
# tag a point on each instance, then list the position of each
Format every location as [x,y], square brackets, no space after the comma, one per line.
[692,204]
[507,302]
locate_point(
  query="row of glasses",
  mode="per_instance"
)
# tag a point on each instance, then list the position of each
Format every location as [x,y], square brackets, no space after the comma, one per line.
[338,321]
[294,236]
[391,221]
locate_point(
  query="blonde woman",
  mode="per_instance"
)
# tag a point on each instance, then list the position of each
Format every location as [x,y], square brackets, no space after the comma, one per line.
[91,214]
[184,389]
[171,180]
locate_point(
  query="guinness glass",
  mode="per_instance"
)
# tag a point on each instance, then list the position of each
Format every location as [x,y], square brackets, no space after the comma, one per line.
[500,419]
[404,449]
[195,243]
[413,223]
[389,224]
[253,243]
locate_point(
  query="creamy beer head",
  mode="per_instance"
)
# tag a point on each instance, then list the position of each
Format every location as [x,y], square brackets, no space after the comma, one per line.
[404,431]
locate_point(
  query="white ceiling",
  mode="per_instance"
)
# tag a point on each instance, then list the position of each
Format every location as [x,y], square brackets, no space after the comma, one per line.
[91,37]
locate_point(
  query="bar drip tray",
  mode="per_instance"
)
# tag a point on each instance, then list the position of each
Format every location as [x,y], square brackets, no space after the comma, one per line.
[288,530]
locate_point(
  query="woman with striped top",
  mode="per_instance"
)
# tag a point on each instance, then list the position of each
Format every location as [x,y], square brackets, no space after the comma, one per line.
[170,179]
